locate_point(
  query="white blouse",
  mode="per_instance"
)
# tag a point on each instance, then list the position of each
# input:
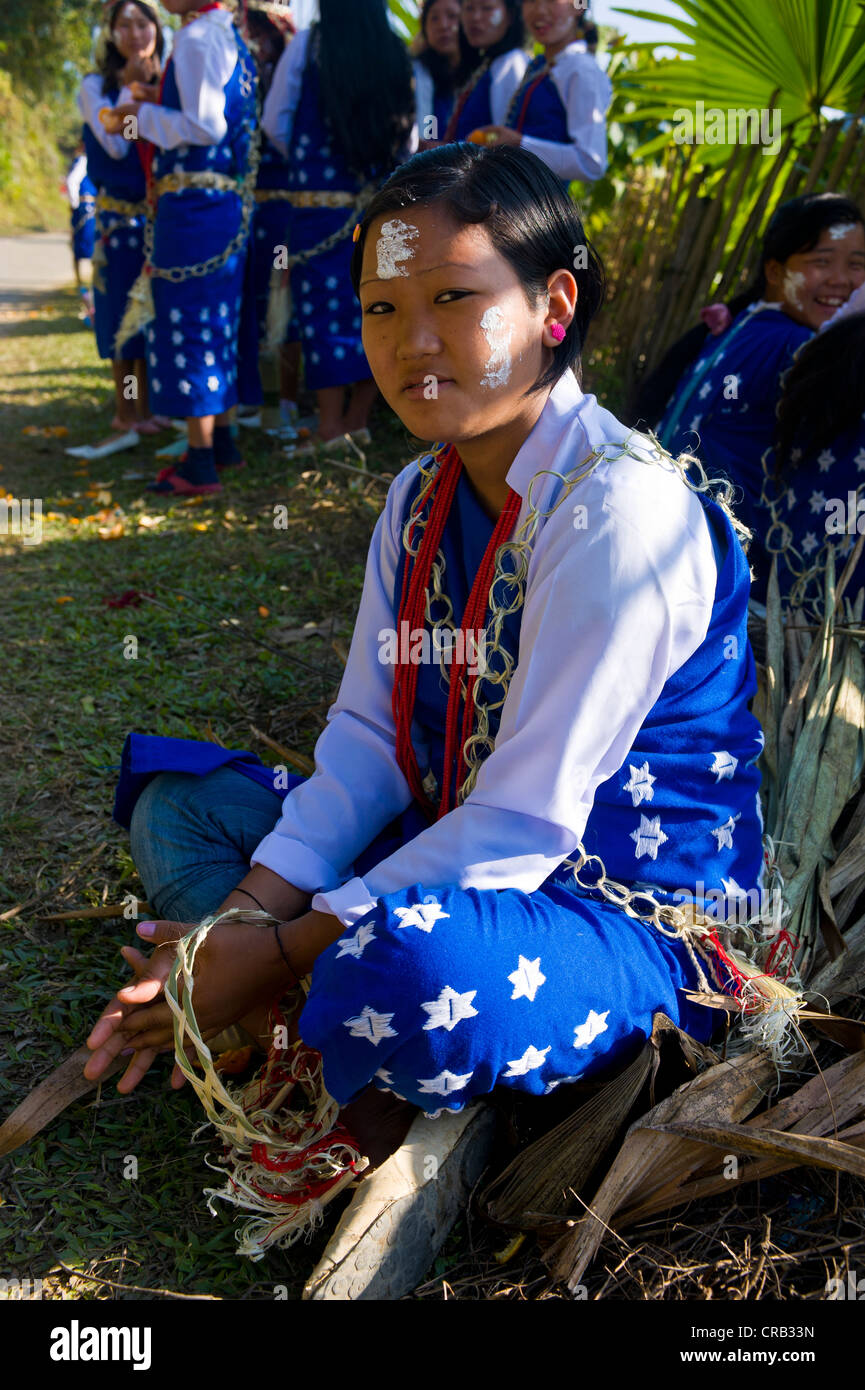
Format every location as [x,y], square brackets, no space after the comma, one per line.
[91,100]
[205,56]
[618,597]
[586,92]
[506,74]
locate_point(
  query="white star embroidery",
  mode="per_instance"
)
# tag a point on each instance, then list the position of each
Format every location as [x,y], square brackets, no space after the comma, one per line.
[449,1008]
[177,338]
[370,1025]
[791,499]
[724,765]
[185,387]
[825,460]
[640,784]
[175,316]
[444,1083]
[157,385]
[355,945]
[562,1081]
[527,979]
[809,543]
[223,310]
[206,335]
[213,383]
[424,916]
[818,502]
[724,833]
[732,889]
[696,422]
[531,1059]
[648,837]
[584,1033]
[859,461]
[795,455]
[204,315]
[209,359]
[705,390]
[179,360]
[384,1076]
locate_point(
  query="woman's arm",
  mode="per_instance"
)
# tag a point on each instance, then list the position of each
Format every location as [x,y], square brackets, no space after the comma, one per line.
[612,610]
[585,92]
[277,117]
[91,100]
[204,60]
[506,74]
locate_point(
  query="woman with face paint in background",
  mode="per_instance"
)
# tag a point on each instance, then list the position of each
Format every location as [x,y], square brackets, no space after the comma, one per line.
[435,66]
[200,125]
[723,410]
[538,672]
[492,64]
[559,110]
[341,110]
[130,51]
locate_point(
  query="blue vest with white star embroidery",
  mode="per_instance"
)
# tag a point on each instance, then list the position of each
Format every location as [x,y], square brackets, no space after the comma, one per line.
[546,117]
[230,156]
[683,810]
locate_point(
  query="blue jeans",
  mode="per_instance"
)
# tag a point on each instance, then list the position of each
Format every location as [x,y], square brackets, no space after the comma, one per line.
[192,837]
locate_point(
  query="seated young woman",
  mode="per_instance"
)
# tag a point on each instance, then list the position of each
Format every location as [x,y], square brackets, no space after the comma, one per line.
[550,662]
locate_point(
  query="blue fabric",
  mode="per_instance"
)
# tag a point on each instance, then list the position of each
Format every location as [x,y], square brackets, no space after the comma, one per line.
[192,345]
[443,105]
[326,319]
[122,241]
[546,117]
[84,221]
[730,435]
[476,110]
[801,504]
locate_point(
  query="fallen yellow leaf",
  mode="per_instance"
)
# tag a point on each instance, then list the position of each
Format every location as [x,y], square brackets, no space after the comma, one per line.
[64,598]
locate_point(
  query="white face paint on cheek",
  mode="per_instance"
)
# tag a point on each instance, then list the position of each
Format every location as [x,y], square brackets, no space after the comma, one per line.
[843,229]
[393,246]
[496,17]
[793,282]
[498,334]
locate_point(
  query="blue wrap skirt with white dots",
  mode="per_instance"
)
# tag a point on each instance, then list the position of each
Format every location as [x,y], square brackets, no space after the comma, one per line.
[192,344]
[326,317]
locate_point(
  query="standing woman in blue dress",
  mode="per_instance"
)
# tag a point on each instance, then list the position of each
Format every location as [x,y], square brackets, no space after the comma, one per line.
[130,51]
[492,64]
[435,66]
[559,110]
[341,109]
[202,186]
[723,409]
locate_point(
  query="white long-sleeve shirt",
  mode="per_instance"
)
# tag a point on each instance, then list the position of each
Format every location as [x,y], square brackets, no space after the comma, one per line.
[204,56]
[617,599]
[586,91]
[506,74]
[91,100]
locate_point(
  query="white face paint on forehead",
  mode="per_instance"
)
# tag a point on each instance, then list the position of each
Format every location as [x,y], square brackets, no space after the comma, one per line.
[498,334]
[393,246]
[842,229]
[793,282]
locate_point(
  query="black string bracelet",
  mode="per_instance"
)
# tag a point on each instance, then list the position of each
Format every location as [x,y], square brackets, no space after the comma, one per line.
[246,893]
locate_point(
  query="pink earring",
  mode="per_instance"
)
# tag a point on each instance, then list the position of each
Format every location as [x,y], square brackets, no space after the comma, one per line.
[558,332]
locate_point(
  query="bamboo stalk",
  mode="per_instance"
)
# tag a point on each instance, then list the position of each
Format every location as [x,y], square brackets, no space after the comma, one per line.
[848,145]
[827,140]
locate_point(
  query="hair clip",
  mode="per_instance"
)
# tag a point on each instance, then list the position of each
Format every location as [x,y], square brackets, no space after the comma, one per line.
[355,236]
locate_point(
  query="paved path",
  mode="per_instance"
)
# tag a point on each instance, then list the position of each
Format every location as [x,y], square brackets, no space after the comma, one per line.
[34,262]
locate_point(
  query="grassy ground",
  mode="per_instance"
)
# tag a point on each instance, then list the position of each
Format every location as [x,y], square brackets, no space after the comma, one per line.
[220,649]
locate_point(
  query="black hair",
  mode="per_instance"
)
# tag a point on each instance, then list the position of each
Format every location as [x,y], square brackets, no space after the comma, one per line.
[795,226]
[436,64]
[514,37]
[112,61]
[527,213]
[823,393]
[367,94]
[259,26]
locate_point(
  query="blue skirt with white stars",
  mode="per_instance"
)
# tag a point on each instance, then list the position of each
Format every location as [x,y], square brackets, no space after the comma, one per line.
[326,317]
[123,244]
[192,344]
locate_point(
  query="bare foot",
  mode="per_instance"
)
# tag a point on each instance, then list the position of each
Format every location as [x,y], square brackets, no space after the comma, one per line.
[379,1122]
